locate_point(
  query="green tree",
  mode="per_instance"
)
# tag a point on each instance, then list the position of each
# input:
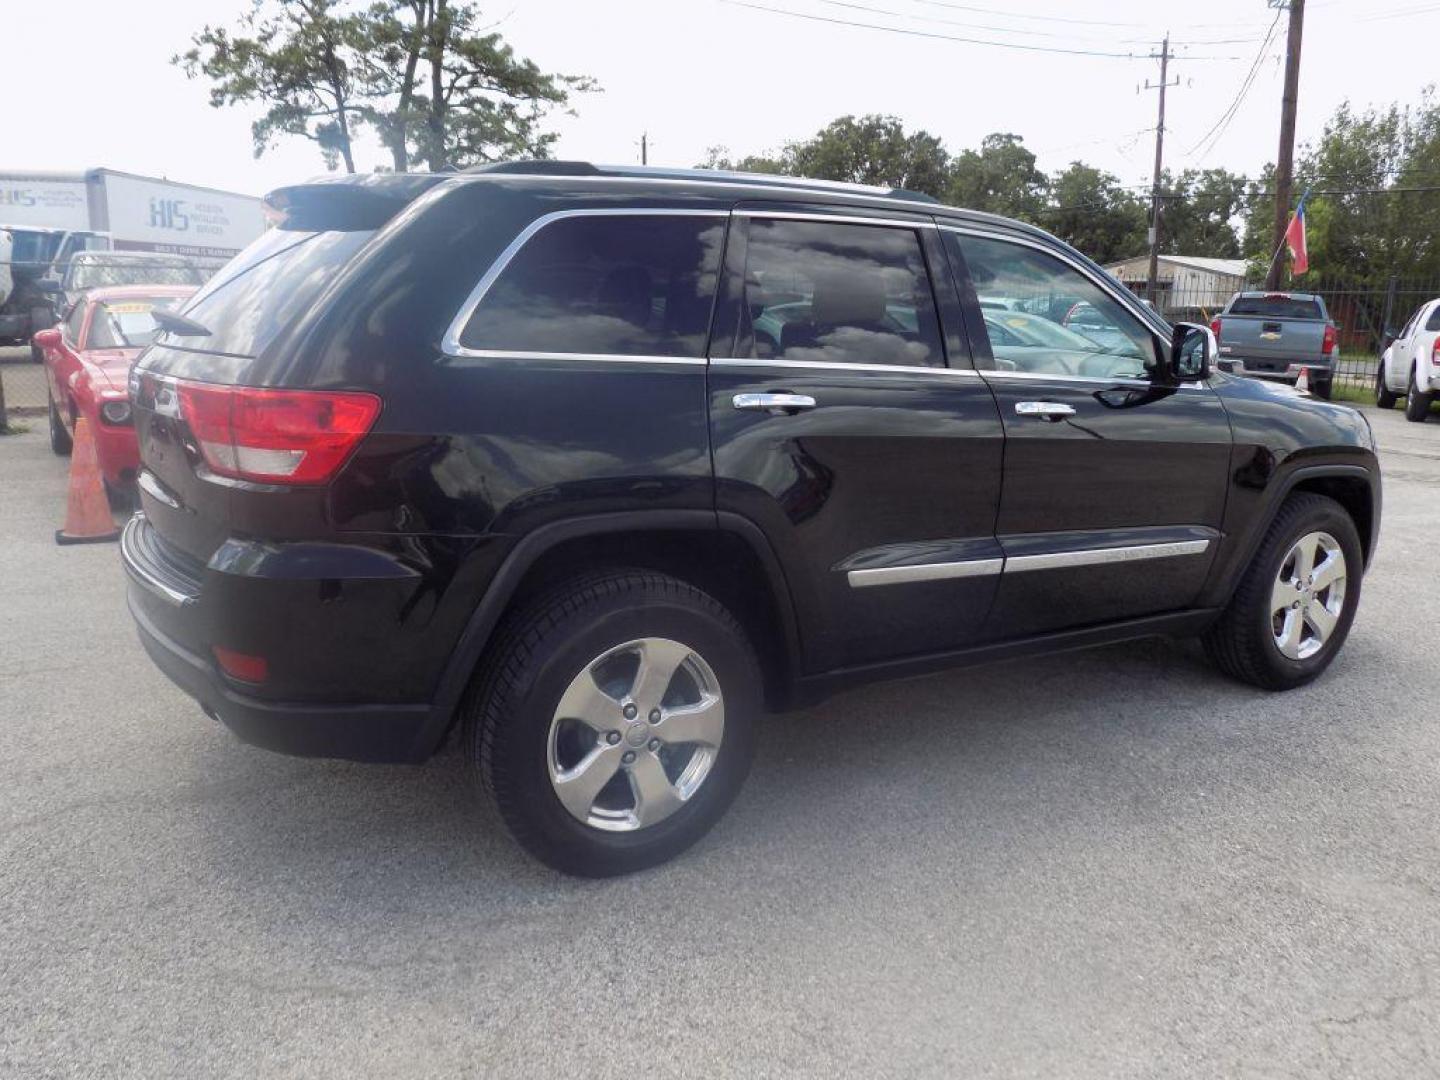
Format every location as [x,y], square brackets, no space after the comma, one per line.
[1091,211]
[871,150]
[436,86]
[293,57]
[1000,177]
[1200,213]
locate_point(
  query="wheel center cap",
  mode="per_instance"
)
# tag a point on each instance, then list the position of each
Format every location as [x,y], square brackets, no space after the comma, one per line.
[637,734]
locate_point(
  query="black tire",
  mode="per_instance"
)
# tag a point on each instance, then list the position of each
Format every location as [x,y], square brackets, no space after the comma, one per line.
[60,441]
[1241,642]
[37,354]
[1385,398]
[1323,388]
[1417,401]
[534,657]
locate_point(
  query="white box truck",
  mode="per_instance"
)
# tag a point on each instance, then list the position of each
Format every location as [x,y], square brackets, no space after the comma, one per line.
[45,218]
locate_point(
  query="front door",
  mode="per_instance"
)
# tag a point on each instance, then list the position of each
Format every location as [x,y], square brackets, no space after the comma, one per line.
[1114,483]
[848,424]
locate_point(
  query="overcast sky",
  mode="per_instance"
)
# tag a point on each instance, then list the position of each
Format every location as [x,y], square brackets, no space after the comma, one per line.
[88,82]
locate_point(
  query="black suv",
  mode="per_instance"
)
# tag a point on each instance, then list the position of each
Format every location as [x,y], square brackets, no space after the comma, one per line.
[593,466]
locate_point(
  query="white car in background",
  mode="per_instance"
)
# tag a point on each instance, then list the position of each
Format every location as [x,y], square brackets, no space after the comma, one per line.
[1410,367]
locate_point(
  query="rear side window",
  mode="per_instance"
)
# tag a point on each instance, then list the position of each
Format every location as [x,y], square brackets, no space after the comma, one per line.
[1433,323]
[1276,307]
[267,287]
[611,284]
[839,293]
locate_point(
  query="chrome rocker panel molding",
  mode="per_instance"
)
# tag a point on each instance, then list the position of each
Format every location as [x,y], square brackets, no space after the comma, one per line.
[1013,564]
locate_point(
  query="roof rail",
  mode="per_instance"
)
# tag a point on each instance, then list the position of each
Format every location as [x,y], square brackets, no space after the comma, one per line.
[538,168]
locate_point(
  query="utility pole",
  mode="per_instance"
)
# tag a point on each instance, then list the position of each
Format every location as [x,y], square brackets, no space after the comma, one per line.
[1150,278]
[644,148]
[1285,160]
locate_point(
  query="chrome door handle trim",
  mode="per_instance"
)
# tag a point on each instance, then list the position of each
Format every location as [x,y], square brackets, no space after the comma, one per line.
[1044,410]
[772,402]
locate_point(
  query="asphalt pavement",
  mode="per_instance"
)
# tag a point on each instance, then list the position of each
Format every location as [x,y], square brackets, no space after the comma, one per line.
[1104,864]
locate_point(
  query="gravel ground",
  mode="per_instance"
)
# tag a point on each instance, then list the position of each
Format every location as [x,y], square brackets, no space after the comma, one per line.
[1109,864]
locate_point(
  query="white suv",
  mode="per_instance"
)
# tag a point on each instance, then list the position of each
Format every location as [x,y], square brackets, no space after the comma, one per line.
[1410,367]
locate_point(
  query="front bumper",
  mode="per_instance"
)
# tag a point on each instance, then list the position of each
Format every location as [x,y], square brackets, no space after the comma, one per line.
[355,731]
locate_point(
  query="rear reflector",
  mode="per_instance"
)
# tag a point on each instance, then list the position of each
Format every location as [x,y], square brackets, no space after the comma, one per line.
[276,436]
[242,666]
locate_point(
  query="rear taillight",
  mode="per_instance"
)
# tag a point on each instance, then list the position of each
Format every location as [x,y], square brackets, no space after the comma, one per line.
[1215,328]
[1435,352]
[276,436]
[1327,344]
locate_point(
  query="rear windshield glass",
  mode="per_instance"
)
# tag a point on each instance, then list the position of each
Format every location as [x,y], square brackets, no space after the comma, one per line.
[126,324]
[1276,307]
[265,288]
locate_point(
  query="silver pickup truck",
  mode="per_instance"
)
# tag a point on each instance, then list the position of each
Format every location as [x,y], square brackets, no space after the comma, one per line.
[1276,336]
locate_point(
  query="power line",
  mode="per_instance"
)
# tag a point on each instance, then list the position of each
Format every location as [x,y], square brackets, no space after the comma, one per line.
[1222,125]
[1067,35]
[953,37]
[1021,14]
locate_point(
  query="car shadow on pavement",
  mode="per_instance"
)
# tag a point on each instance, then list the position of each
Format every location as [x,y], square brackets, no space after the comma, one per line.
[892,771]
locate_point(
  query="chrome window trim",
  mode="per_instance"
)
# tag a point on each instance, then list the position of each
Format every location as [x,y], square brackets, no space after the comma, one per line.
[450,343]
[1057,560]
[1117,380]
[835,365]
[1011,564]
[900,575]
[609,358]
[838,219]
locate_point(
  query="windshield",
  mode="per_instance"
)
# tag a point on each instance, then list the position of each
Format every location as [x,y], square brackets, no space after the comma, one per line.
[117,270]
[127,324]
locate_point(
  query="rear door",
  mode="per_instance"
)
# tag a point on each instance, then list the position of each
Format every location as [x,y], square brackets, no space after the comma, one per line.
[847,422]
[1114,484]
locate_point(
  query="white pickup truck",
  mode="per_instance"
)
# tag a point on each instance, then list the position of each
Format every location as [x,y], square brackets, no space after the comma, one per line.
[1410,365]
[1272,335]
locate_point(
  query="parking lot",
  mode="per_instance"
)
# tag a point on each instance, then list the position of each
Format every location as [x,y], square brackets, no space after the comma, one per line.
[1115,863]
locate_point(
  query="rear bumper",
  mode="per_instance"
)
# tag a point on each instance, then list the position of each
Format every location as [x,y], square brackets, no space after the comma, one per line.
[356,731]
[1277,370]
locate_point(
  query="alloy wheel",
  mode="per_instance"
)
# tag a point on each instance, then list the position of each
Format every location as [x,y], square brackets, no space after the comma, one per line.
[635,734]
[1308,596]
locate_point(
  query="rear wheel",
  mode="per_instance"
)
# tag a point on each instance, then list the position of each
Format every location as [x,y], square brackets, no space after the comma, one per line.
[1417,401]
[1293,608]
[1385,398]
[614,720]
[59,437]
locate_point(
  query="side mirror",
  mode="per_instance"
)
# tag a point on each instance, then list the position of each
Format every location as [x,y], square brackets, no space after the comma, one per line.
[1192,350]
[47,339]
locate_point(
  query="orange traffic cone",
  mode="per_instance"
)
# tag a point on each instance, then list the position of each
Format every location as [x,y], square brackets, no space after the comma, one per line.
[87,513]
[1303,382]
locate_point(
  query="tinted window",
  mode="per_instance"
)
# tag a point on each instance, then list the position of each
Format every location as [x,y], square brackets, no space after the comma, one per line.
[639,285]
[1433,323]
[1276,307]
[1062,324]
[821,292]
[267,287]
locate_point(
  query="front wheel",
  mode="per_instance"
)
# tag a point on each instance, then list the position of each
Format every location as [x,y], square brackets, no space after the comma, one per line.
[1417,401]
[1297,599]
[613,721]
[60,442]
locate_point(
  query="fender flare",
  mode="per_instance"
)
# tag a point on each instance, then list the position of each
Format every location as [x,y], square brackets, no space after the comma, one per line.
[1220,590]
[528,550]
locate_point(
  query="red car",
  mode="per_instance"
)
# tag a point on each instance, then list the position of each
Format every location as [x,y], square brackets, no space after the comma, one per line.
[87,366]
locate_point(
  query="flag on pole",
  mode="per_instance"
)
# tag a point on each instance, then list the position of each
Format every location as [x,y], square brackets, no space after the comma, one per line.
[1295,237]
